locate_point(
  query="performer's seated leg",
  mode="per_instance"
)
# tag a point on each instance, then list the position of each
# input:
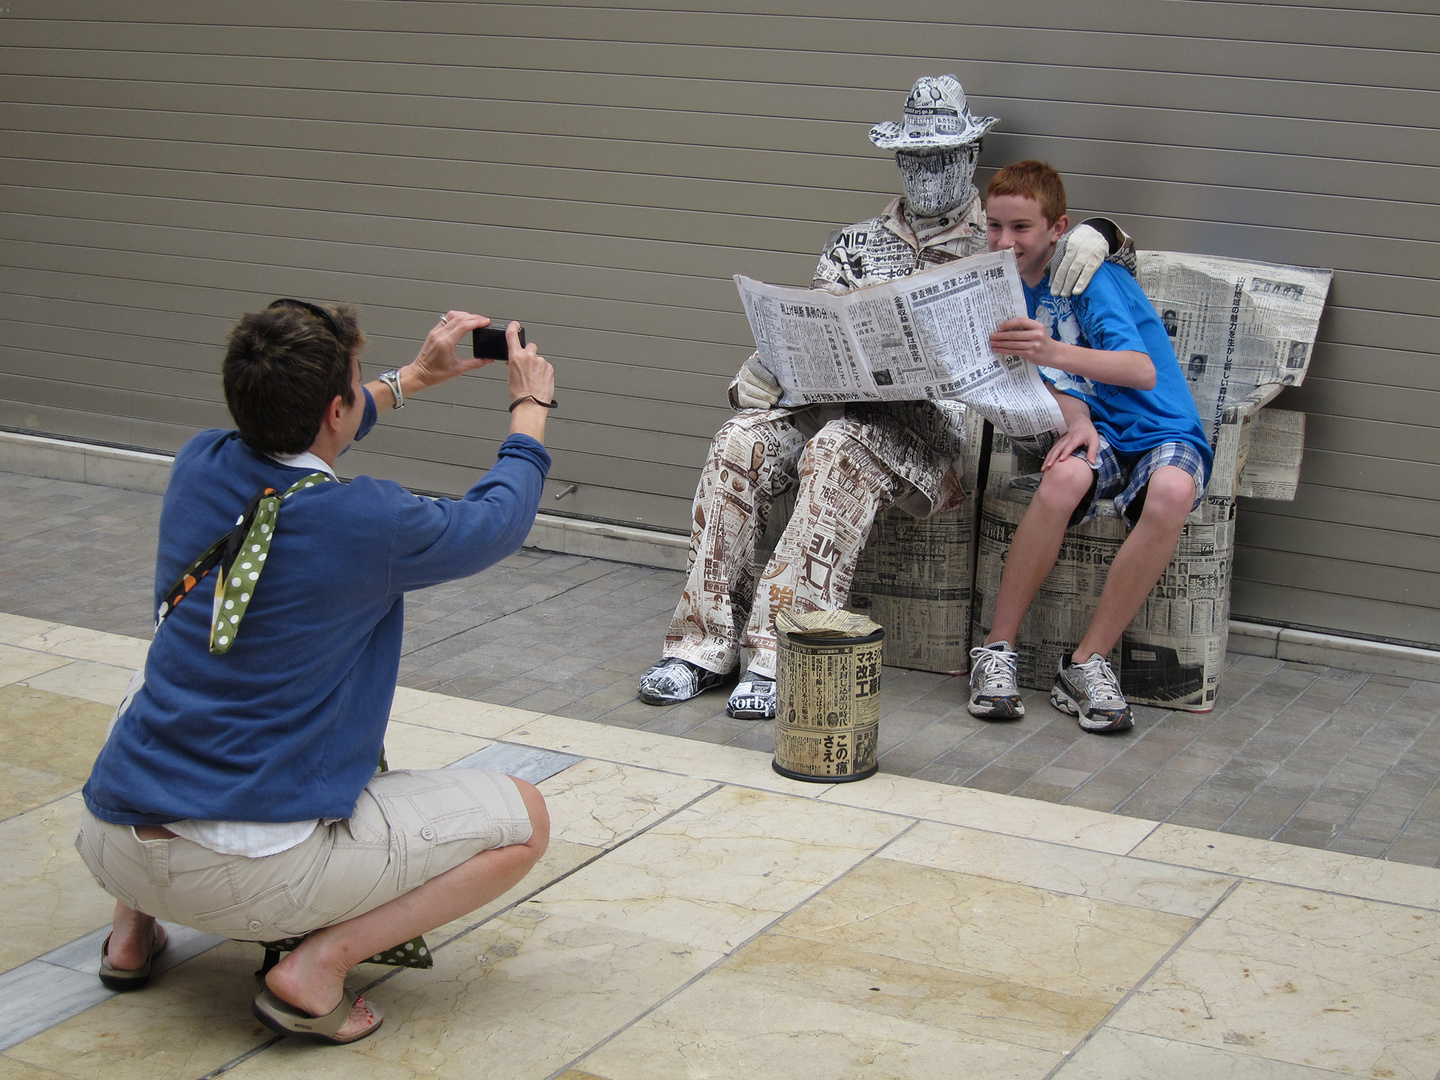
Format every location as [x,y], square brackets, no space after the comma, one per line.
[752,459]
[843,488]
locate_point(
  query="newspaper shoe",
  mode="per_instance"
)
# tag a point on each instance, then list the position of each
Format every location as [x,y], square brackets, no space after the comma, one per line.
[993,692]
[1091,692]
[673,680]
[753,699]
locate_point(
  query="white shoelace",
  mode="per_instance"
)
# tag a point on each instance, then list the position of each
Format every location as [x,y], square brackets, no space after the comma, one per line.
[996,670]
[1101,685]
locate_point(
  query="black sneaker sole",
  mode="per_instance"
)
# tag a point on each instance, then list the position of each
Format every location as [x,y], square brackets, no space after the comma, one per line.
[998,708]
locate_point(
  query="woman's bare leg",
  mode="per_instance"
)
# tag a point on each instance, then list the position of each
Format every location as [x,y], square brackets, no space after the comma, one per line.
[312,977]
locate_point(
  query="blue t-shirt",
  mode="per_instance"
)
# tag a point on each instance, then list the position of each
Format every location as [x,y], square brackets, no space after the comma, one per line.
[288,725]
[1114,315]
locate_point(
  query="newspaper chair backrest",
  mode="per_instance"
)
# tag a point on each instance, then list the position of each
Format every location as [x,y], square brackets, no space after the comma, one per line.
[1238,326]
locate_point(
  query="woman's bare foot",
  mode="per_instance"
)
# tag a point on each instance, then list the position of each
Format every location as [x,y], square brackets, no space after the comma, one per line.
[306,981]
[134,939]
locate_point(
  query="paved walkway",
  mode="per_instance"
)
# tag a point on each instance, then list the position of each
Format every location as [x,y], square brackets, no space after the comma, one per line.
[698,915]
[1315,756]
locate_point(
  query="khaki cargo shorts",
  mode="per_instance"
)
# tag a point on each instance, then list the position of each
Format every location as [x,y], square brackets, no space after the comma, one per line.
[407,827]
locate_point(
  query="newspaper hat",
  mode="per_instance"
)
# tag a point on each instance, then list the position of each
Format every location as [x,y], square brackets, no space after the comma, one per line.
[936,118]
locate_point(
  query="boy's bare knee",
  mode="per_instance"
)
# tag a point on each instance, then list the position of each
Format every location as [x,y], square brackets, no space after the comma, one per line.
[1065,484]
[1170,494]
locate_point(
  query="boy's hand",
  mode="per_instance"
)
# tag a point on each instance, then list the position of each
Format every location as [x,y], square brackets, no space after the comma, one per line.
[1081,435]
[1024,338]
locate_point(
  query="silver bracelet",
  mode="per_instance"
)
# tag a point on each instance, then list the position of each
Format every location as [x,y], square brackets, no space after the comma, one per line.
[391,379]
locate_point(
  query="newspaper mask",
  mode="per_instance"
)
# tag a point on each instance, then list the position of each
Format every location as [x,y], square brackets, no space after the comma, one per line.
[939,181]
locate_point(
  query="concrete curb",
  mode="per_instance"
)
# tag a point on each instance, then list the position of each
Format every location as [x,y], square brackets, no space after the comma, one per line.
[137,470]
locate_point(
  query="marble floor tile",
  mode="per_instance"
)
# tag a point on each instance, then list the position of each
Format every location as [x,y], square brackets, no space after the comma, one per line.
[33,995]
[1005,814]
[82,644]
[103,683]
[1116,1055]
[1065,944]
[62,983]
[1332,982]
[1333,871]
[16,665]
[47,896]
[717,872]
[522,996]
[782,966]
[728,1026]
[728,764]
[17,628]
[51,733]
[189,1023]
[10,1069]
[1059,868]
[601,803]
[23,789]
[524,762]
[293,1060]
[477,718]
[410,746]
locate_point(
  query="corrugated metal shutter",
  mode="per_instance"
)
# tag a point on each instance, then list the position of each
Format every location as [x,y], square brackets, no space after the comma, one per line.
[600,171]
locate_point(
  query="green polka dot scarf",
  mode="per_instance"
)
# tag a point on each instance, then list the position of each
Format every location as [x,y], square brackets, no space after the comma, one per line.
[240,554]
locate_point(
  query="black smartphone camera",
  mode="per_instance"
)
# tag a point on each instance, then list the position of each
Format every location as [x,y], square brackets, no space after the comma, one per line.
[489,342]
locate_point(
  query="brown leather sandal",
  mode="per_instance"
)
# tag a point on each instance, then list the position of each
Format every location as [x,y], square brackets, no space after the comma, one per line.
[121,979]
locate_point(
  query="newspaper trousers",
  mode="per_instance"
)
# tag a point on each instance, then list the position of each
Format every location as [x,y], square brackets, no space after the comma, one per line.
[755,456]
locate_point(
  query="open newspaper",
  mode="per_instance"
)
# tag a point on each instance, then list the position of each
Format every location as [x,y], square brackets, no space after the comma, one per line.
[922,336]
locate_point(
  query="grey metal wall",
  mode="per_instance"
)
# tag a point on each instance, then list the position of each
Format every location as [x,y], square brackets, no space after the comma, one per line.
[600,171]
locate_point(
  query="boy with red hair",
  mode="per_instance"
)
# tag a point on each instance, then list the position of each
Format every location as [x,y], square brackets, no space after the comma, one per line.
[1132,434]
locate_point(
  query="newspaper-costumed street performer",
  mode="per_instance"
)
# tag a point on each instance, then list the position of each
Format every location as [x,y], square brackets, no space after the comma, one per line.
[851,461]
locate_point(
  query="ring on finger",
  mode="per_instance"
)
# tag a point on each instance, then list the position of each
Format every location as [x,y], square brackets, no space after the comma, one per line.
[444,319]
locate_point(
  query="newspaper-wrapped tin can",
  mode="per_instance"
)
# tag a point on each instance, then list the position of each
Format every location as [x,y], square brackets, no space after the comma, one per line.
[827,720]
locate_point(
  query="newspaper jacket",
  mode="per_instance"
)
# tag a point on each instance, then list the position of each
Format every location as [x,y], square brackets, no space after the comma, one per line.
[920,441]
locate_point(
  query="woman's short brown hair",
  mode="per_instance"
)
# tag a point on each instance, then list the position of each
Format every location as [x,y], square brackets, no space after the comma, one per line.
[283,366]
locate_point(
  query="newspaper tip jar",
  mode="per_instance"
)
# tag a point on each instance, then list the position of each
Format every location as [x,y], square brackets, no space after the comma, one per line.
[827,720]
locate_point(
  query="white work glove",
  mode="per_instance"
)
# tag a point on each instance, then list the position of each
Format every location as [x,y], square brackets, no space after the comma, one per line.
[756,388]
[1077,257]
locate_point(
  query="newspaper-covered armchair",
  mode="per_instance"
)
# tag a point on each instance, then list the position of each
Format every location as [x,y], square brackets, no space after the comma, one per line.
[1242,331]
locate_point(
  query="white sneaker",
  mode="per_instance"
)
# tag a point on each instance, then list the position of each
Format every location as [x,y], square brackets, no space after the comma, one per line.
[993,692]
[1091,692]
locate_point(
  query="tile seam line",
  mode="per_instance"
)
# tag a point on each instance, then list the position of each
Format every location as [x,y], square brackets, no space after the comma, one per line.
[574,1062]
[1134,988]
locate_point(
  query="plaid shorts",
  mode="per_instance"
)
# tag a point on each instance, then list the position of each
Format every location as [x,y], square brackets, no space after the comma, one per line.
[1124,478]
